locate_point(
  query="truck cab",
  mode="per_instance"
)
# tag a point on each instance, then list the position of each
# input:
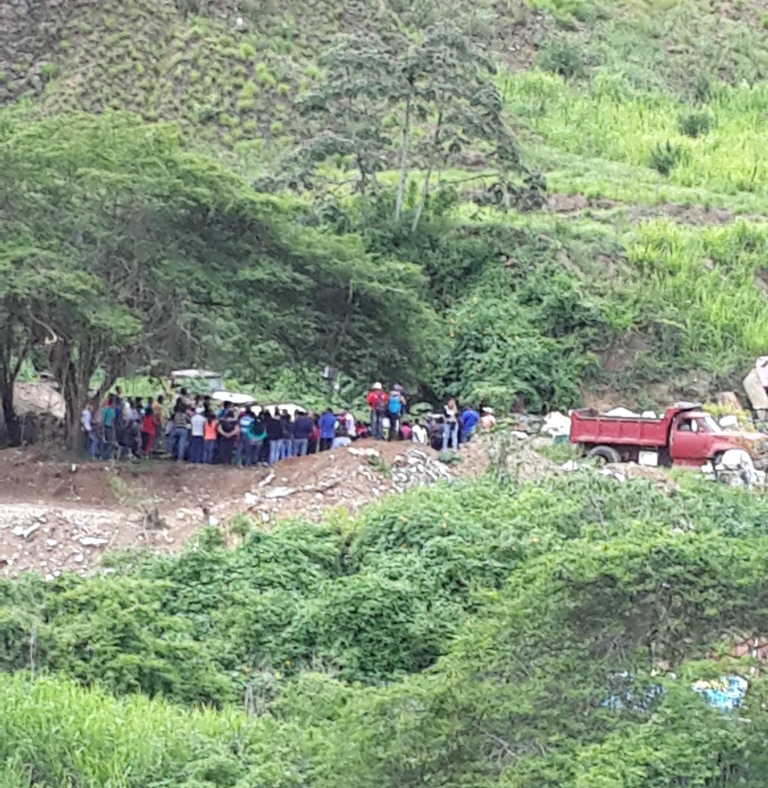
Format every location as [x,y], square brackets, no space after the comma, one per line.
[695,437]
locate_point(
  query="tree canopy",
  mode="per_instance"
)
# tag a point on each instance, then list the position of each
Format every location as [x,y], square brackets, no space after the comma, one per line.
[124,248]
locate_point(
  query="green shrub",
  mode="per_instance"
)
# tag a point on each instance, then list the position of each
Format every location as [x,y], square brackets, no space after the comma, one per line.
[695,124]
[564,58]
[664,157]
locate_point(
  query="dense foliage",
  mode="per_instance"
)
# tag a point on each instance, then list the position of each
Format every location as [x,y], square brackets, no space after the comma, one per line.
[463,635]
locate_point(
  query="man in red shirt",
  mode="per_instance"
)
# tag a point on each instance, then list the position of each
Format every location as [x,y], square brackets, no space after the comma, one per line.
[377,400]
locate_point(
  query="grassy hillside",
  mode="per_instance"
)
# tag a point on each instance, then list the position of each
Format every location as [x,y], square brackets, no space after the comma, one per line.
[646,119]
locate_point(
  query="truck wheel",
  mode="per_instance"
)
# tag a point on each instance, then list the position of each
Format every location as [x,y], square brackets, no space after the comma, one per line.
[607,453]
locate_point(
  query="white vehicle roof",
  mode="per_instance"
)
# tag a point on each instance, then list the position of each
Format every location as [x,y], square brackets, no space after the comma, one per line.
[194,373]
[234,397]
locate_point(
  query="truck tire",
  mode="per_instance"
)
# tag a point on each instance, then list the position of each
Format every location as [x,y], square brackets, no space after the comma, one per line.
[607,453]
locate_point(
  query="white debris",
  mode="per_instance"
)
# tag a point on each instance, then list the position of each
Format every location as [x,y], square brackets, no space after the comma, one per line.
[625,412]
[279,492]
[569,466]
[249,499]
[267,480]
[556,425]
[20,530]
[92,541]
[50,543]
[79,558]
[365,452]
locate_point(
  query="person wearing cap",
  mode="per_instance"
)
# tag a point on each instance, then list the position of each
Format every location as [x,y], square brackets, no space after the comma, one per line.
[378,401]
[487,420]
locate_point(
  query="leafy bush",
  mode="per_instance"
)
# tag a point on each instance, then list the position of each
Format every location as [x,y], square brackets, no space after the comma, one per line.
[562,57]
[555,605]
[664,157]
[695,124]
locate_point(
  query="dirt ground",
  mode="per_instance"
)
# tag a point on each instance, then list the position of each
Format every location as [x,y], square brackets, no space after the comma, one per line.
[56,514]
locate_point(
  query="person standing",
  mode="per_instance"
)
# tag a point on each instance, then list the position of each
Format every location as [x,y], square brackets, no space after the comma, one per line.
[244,454]
[327,429]
[302,430]
[108,424]
[450,425]
[469,419]
[377,401]
[286,436]
[89,431]
[180,434]
[157,410]
[394,411]
[197,437]
[210,434]
[274,436]
[148,431]
[228,432]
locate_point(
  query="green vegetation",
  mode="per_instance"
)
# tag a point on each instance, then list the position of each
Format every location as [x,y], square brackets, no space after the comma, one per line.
[468,635]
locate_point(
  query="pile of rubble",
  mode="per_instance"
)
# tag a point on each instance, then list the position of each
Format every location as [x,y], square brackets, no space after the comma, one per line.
[417,468]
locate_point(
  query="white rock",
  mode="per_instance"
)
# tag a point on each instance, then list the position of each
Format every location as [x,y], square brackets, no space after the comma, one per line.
[249,499]
[279,492]
[92,541]
[51,542]
[79,558]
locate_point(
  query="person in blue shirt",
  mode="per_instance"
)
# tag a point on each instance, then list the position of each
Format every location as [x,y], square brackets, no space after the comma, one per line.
[327,430]
[469,420]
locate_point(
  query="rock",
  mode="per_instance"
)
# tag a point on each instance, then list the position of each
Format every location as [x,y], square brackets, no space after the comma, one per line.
[279,492]
[249,499]
[50,543]
[79,558]
[364,452]
[92,541]
[20,530]
[213,520]
[267,479]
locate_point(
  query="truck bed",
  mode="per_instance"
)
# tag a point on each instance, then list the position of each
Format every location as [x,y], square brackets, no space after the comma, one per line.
[589,428]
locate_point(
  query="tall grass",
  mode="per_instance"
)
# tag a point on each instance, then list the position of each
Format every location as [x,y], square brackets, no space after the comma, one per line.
[607,119]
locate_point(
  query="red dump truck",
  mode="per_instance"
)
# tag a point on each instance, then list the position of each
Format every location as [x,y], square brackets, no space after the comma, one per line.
[684,435]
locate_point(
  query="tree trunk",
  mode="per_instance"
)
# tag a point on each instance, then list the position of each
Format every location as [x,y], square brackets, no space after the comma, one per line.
[423,200]
[425,187]
[403,161]
[12,421]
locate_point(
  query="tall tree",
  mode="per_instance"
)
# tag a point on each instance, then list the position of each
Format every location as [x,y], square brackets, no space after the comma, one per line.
[376,96]
[124,248]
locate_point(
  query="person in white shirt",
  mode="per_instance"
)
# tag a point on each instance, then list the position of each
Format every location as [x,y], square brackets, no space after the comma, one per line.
[91,436]
[197,437]
[419,434]
[349,424]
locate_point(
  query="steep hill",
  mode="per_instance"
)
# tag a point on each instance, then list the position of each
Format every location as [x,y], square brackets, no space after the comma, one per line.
[641,278]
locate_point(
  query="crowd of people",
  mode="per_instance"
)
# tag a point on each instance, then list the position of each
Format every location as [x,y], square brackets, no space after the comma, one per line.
[197,429]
